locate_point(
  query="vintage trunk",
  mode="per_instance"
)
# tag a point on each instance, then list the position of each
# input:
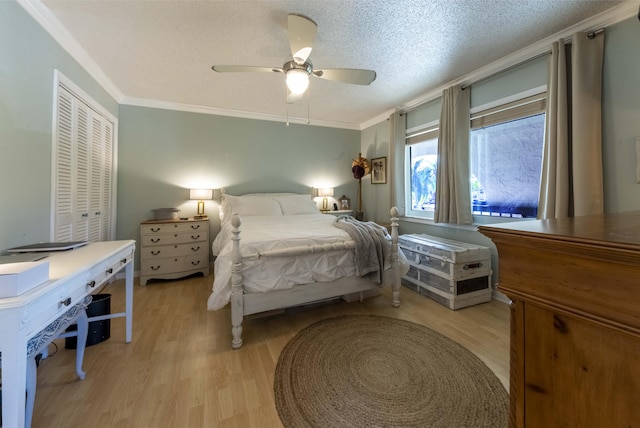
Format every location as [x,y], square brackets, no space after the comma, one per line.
[455,274]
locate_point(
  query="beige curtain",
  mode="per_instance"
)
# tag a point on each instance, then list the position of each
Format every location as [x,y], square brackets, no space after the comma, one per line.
[453,197]
[397,131]
[572,178]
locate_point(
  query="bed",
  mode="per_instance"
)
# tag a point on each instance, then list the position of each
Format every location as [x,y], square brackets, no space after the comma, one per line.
[277,250]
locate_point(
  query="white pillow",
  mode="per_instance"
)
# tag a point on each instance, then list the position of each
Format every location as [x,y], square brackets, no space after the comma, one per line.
[248,206]
[297,204]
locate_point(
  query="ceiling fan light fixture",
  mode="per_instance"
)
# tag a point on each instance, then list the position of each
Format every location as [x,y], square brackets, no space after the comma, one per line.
[297,80]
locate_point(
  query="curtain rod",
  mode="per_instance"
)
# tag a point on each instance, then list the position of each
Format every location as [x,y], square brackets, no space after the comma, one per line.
[590,35]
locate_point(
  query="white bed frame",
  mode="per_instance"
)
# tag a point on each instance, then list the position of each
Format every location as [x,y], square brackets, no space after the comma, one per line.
[243,304]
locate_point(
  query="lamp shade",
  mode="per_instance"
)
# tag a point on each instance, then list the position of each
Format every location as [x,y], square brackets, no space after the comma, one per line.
[201,194]
[325,192]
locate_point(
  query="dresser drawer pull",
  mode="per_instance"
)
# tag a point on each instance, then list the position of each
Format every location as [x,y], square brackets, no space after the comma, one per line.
[85,215]
[195,237]
[197,262]
[155,229]
[155,253]
[124,261]
[155,240]
[155,267]
[472,266]
[66,302]
[195,249]
[91,284]
[195,226]
[109,271]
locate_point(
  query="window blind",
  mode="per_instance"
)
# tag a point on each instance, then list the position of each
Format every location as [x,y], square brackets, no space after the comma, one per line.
[528,106]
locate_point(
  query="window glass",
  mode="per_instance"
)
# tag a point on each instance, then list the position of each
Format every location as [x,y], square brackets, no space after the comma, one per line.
[505,162]
[423,158]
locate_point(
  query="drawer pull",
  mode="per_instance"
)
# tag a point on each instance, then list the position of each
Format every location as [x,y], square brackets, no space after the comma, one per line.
[155,267]
[66,302]
[155,229]
[195,237]
[155,253]
[195,226]
[91,284]
[472,266]
[124,261]
[98,213]
[195,249]
[195,263]
[155,240]
[109,271]
[85,215]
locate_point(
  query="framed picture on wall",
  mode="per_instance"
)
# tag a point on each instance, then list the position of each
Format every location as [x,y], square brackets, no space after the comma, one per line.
[379,170]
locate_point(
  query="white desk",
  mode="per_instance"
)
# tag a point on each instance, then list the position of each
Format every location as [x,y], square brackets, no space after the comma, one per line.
[73,275]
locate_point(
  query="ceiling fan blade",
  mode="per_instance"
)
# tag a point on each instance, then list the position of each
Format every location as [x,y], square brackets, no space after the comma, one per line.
[244,68]
[347,75]
[302,34]
[294,98]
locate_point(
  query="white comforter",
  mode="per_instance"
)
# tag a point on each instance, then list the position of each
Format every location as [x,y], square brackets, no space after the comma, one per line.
[261,233]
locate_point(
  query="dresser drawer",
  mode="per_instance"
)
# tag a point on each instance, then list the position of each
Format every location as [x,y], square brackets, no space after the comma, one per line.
[173,227]
[156,252]
[173,238]
[165,265]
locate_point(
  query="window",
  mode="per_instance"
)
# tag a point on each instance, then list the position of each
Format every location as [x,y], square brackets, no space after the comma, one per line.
[505,158]
[421,154]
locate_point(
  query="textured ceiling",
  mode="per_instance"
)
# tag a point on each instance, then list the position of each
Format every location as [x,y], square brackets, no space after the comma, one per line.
[163,50]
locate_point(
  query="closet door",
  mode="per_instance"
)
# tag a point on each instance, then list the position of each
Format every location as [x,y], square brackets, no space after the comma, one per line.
[83,163]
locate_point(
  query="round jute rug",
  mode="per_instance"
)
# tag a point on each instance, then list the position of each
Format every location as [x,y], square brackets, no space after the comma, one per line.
[374,371]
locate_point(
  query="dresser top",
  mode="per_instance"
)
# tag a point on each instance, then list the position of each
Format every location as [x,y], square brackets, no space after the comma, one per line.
[617,229]
[190,219]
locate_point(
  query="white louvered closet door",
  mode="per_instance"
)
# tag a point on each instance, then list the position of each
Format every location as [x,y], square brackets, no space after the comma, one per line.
[83,162]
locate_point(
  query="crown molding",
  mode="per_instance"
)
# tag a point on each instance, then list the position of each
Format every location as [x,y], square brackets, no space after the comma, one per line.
[165,105]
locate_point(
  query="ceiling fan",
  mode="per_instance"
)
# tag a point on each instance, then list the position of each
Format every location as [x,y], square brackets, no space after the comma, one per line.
[302,34]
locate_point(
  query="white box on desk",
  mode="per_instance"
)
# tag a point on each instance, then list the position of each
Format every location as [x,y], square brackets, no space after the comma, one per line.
[18,278]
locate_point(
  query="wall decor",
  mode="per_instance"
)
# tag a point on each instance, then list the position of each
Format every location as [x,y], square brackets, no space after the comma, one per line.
[379,170]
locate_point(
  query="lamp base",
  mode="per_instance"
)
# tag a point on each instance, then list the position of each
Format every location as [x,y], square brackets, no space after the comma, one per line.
[200,217]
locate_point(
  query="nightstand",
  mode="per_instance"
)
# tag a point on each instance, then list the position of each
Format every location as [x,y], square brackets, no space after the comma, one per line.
[339,212]
[172,249]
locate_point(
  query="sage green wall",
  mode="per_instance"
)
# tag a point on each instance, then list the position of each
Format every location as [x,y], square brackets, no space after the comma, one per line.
[163,153]
[376,198]
[28,58]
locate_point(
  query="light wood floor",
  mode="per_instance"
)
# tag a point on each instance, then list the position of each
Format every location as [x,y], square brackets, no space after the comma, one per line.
[180,370]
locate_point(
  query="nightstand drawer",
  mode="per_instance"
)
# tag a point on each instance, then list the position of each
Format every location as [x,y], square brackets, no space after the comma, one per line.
[148,253]
[166,265]
[172,227]
[173,238]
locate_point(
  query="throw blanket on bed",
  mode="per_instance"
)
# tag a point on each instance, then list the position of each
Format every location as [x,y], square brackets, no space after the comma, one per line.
[372,245]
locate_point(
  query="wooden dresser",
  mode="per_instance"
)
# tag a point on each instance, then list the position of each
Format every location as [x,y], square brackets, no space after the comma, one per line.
[575,319]
[171,249]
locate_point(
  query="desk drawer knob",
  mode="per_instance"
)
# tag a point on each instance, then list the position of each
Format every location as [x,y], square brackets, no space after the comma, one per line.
[91,284]
[66,302]
[124,261]
[109,271]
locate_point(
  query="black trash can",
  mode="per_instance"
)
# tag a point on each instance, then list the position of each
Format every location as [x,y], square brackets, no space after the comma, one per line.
[99,331]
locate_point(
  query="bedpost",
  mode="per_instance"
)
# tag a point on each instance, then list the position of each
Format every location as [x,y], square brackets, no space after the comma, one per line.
[395,260]
[237,300]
